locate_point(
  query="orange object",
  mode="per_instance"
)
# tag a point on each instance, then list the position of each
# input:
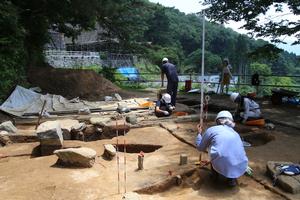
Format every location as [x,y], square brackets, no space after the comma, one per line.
[180,113]
[147,104]
[257,122]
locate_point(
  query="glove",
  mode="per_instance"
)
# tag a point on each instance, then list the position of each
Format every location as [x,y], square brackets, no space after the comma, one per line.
[249,171]
[166,112]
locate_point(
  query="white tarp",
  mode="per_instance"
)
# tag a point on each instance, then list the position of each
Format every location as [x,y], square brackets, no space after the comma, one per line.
[23,100]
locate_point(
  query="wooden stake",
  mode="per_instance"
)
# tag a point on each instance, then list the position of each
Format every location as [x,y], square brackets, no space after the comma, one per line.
[40,114]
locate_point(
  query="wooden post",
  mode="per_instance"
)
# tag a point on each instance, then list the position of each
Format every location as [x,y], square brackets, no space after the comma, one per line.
[140,161]
[40,114]
[183,159]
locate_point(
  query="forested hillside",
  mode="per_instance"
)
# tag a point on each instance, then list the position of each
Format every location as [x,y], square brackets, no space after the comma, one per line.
[148,29]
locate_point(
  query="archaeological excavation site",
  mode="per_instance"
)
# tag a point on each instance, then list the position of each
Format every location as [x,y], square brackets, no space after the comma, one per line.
[149,100]
[58,148]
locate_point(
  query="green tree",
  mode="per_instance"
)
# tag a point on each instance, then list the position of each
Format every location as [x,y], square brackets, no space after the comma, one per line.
[250,11]
[11,49]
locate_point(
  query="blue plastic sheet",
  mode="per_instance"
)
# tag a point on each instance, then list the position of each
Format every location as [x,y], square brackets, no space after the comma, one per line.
[129,72]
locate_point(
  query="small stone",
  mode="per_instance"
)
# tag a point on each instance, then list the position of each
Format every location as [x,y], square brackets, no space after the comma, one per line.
[109,151]
[3,133]
[118,97]
[131,196]
[4,139]
[108,98]
[84,111]
[269,126]
[100,121]
[78,127]
[132,119]
[179,180]
[77,157]
[8,126]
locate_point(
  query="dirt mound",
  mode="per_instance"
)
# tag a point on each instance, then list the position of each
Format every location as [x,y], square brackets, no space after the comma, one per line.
[71,83]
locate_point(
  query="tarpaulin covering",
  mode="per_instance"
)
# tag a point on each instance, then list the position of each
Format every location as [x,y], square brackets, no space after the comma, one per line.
[23,100]
[129,72]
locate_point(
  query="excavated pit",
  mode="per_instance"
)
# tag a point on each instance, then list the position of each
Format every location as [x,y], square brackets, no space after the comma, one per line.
[137,148]
[258,139]
[189,102]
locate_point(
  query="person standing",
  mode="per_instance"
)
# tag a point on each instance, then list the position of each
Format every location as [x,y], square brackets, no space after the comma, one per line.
[226,75]
[225,148]
[170,71]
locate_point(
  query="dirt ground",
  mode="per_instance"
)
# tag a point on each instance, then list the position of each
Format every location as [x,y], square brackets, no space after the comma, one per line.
[24,176]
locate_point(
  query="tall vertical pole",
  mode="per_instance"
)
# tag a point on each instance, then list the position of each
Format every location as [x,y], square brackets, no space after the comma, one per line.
[202,69]
[117,154]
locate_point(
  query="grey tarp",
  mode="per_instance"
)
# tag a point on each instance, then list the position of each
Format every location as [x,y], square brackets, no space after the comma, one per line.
[23,100]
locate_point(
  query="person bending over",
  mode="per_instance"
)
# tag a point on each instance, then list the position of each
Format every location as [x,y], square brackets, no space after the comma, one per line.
[170,71]
[247,108]
[164,106]
[225,148]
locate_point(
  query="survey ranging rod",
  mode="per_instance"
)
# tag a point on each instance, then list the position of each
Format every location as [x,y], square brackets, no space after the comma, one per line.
[117,154]
[202,71]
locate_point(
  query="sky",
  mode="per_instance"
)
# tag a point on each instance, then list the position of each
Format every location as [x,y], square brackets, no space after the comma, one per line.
[193,6]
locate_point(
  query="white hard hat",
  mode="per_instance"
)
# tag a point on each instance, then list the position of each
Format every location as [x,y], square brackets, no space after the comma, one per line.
[165,59]
[167,98]
[233,96]
[224,114]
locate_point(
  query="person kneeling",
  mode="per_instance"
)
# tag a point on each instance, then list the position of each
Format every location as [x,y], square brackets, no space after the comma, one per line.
[247,108]
[163,106]
[225,148]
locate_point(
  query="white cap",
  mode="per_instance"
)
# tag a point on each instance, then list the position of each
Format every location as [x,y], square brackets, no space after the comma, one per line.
[226,60]
[165,59]
[167,98]
[224,114]
[233,96]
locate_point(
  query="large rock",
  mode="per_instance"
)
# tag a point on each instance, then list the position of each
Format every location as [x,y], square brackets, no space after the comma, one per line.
[100,121]
[92,133]
[132,119]
[109,151]
[51,137]
[76,157]
[8,126]
[66,127]
[4,138]
[288,183]
[78,127]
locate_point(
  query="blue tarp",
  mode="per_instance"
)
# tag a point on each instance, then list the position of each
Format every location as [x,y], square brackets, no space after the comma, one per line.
[129,72]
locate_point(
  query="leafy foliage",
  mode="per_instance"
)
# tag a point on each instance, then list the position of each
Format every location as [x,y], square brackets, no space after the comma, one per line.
[11,49]
[250,11]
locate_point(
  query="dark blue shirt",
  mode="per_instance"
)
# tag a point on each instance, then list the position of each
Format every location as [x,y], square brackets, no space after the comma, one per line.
[163,105]
[170,70]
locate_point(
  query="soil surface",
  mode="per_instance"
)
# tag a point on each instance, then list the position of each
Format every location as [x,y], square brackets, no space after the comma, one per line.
[72,83]
[25,176]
